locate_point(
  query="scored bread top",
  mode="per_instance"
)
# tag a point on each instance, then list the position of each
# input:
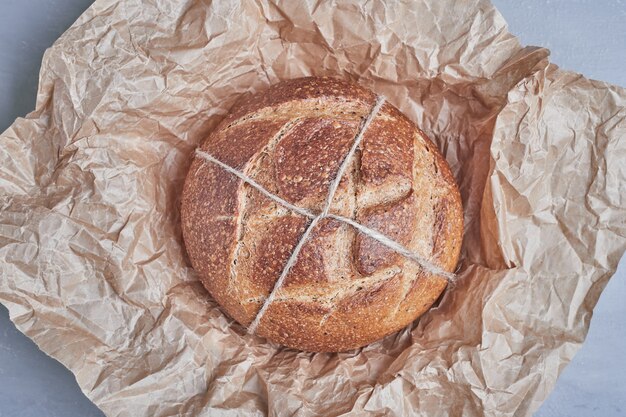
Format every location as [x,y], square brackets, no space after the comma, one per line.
[345,289]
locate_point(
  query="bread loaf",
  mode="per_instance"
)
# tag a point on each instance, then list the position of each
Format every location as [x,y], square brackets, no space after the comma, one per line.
[345,288]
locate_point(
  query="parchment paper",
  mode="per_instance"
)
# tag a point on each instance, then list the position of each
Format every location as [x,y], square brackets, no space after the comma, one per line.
[94,270]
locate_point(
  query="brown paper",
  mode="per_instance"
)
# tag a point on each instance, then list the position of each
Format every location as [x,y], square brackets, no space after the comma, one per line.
[96,274]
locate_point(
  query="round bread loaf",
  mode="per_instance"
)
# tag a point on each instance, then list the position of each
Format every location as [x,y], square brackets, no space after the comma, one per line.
[345,289]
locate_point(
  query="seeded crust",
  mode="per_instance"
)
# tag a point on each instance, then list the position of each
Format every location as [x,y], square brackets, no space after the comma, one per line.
[346,290]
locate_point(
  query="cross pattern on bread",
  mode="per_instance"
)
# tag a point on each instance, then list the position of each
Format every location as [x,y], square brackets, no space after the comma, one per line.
[325,213]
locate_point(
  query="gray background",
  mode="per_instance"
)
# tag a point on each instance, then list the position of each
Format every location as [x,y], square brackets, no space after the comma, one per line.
[586,36]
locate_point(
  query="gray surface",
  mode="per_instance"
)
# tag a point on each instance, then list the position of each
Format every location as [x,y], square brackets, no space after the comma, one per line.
[586,36]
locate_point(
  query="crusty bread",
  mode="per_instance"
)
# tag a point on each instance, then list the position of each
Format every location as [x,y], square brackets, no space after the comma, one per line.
[345,290]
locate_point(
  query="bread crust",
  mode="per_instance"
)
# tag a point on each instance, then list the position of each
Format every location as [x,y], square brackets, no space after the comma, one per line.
[346,290]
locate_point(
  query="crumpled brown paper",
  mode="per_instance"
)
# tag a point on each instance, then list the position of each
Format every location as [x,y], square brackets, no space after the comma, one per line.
[96,274]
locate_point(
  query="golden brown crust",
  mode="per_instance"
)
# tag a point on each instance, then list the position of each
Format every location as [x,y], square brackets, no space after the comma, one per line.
[396,220]
[307,158]
[315,89]
[345,290]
